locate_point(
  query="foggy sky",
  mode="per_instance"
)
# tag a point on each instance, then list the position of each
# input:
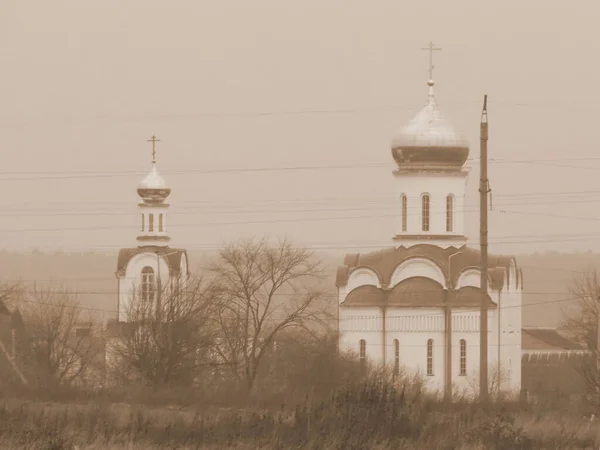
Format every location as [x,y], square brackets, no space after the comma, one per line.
[267,84]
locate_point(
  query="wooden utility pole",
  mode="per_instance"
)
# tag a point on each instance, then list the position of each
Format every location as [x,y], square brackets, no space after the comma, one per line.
[483,220]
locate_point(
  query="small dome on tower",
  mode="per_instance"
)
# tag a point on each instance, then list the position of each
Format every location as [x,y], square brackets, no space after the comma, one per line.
[153,187]
[429,141]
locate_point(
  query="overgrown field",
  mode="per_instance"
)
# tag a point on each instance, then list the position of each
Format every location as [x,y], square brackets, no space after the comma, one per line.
[366,415]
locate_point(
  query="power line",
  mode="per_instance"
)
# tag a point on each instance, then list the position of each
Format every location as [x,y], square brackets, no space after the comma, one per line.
[420,315]
[367,165]
[243,222]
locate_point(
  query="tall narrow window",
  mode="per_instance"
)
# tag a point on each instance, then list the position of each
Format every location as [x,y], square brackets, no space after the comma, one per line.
[148,285]
[404,208]
[160,222]
[396,357]
[430,357]
[362,352]
[425,212]
[142,222]
[509,372]
[449,212]
[463,358]
[150,222]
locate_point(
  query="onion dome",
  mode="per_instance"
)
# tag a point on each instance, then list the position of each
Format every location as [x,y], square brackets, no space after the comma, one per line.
[429,141]
[153,188]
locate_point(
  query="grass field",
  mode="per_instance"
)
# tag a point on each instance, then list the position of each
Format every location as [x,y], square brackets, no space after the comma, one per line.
[370,415]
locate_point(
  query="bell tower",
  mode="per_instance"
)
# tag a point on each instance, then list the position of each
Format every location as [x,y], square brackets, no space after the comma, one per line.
[153,207]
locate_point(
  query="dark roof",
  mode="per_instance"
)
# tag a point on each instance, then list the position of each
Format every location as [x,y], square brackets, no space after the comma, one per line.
[414,292]
[546,339]
[172,255]
[384,262]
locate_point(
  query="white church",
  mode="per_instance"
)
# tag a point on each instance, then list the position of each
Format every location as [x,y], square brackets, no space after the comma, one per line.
[152,264]
[415,306]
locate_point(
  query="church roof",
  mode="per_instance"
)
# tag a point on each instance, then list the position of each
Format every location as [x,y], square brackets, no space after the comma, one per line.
[384,262]
[428,140]
[416,292]
[171,255]
[541,339]
[153,180]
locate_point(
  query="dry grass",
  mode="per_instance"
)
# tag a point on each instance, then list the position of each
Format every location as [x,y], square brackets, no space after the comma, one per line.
[371,414]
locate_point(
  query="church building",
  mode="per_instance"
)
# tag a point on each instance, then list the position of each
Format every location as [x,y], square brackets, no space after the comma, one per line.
[152,265]
[415,306]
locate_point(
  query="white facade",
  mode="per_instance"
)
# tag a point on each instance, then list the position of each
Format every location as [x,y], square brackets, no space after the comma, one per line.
[416,306]
[413,326]
[443,189]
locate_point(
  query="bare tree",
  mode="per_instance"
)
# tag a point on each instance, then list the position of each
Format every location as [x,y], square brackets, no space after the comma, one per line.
[582,320]
[264,289]
[167,334]
[497,379]
[52,316]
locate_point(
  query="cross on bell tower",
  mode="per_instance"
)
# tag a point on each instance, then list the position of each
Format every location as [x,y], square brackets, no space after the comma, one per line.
[154,140]
[431,49]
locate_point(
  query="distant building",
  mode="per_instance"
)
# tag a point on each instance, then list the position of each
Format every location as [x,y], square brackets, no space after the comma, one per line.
[15,348]
[551,364]
[416,305]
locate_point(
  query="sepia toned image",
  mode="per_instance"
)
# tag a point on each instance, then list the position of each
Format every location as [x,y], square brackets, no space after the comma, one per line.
[310,225]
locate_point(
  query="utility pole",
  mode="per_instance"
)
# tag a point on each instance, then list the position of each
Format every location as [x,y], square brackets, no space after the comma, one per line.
[483,220]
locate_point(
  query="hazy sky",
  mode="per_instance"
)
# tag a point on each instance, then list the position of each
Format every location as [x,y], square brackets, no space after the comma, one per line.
[268,84]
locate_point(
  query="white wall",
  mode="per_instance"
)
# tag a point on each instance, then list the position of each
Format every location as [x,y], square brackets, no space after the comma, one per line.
[414,326]
[146,210]
[129,283]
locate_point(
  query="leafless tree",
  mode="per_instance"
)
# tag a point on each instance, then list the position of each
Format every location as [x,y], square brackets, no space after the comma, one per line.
[497,379]
[264,289]
[52,316]
[166,337]
[581,320]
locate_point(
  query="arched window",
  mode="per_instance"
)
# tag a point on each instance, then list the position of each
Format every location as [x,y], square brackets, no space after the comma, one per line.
[396,357]
[425,212]
[362,352]
[449,212]
[463,358]
[403,202]
[142,222]
[430,357]
[150,222]
[148,285]
[160,222]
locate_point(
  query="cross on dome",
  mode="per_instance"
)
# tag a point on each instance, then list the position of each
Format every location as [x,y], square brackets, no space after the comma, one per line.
[431,49]
[154,140]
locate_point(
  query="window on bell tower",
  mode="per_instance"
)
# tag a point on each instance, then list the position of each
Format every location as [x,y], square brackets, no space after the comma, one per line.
[449,212]
[404,208]
[160,222]
[425,212]
[142,222]
[150,222]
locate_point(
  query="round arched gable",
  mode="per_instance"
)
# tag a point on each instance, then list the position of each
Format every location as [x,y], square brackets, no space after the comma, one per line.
[470,276]
[417,292]
[418,267]
[363,276]
[366,295]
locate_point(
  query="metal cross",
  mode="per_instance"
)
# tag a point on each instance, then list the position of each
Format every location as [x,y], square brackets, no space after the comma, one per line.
[431,49]
[154,141]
